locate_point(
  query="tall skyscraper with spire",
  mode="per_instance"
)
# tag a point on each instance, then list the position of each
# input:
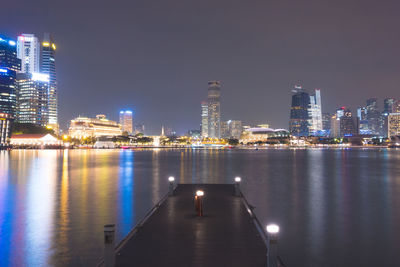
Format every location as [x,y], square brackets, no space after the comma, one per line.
[48,66]
[214,109]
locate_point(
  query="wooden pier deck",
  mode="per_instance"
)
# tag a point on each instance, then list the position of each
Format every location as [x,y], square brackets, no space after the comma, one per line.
[174,236]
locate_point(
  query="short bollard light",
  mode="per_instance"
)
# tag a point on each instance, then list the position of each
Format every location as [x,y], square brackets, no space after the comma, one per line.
[109,245]
[272,231]
[237,186]
[171,180]
[198,202]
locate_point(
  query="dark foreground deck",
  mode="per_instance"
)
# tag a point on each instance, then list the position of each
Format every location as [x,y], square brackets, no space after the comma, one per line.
[174,236]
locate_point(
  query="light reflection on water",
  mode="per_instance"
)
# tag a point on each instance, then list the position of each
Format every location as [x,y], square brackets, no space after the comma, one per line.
[335,207]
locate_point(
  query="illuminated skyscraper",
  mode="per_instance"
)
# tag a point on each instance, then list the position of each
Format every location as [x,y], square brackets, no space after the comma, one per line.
[299,117]
[9,65]
[28,50]
[315,113]
[48,66]
[126,121]
[204,119]
[33,98]
[214,112]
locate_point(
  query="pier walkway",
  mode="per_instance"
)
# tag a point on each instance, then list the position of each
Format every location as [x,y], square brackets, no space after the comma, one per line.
[173,235]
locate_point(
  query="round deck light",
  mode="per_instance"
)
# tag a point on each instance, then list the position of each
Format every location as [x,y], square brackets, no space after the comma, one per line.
[171,178]
[272,228]
[199,193]
[238,179]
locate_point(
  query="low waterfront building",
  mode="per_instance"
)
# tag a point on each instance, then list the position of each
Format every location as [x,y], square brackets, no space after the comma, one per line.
[35,140]
[253,135]
[5,129]
[393,125]
[83,127]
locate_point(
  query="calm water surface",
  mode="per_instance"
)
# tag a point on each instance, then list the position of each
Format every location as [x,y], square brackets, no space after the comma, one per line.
[335,207]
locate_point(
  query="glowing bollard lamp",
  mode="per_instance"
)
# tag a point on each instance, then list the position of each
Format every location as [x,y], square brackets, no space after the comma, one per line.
[171,180]
[237,186]
[272,252]
[198,202]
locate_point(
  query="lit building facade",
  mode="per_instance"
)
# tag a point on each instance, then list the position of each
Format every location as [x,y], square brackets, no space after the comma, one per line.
[33,98]
[48,66]
[259,134]
[214,111]
[315,113]
[28,50]
[393,125]
[83,127]
[126,121]
[35,140]
[5,129]
[204,119]
[299,116]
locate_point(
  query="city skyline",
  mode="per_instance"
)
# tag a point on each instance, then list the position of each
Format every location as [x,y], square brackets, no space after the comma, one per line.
[344,57]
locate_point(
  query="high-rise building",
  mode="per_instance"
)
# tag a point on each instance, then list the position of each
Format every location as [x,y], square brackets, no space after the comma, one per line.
[373,116]
[214,112]
[393,125]
[204,119]
[231,129]
[28,50]
[347,126]
[388,104]
[362,121]
[315,113]
[48,66]
[326,122]
[126,121]
[33,98]
[235,128]
[335,126]
[299,117]
[225,129]
[9,65]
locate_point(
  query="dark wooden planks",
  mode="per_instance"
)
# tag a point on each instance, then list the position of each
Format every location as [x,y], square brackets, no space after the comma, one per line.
[175,236]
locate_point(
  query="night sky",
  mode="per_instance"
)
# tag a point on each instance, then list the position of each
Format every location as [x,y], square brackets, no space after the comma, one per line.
[156,57]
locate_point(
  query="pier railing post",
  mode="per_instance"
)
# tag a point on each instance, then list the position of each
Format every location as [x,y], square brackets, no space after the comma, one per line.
[237,186]
[109,245]
[272,249]
[171,180]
